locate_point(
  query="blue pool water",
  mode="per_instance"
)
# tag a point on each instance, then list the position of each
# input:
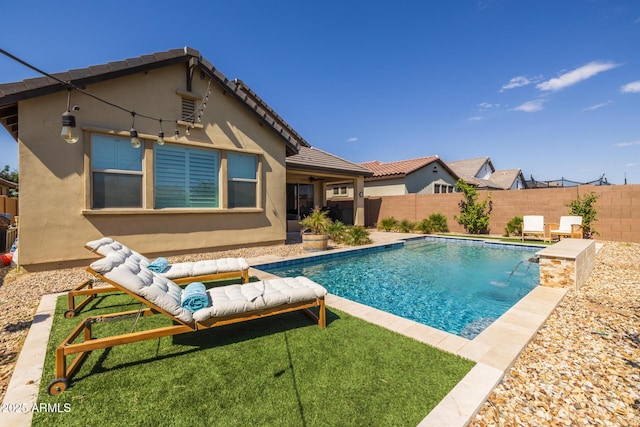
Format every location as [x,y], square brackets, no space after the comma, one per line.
[458,287]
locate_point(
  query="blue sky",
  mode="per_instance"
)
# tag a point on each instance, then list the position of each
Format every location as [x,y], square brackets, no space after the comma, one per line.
[550,87]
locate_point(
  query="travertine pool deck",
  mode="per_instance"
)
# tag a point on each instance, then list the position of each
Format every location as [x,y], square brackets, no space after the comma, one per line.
[494,351]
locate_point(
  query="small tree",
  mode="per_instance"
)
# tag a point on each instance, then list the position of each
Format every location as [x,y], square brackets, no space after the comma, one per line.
[9,175]
[585,208]
[474,215]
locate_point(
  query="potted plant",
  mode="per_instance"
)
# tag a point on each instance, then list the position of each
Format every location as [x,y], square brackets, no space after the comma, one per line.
[314,231]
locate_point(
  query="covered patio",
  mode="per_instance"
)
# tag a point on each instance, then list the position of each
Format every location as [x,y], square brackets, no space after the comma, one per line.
[308,174]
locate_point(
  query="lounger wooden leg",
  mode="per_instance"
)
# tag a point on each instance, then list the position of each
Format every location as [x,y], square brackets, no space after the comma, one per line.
[87,289]
[322,312]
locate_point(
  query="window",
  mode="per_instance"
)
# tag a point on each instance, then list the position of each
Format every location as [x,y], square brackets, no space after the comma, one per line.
[336,191]
[186,177]
[116,169]
[436,188]
[242,180]
[343,190]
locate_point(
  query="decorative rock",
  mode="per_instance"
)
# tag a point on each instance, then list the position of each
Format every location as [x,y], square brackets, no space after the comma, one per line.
[583,363]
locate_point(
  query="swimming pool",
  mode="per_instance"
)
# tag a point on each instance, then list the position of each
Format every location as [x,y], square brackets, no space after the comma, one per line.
[458,286]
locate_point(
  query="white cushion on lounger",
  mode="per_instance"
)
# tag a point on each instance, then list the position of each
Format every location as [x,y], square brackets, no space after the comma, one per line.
[107,245]
[127,272]
[202,268]
[235,299]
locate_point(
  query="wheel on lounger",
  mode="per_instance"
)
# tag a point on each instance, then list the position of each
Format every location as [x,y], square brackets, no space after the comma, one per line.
[57,386]
[69,313]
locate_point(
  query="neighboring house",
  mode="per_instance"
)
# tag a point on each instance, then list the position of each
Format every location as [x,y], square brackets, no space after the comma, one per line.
[220,182]
[424,175]
[7,187]
[481,173]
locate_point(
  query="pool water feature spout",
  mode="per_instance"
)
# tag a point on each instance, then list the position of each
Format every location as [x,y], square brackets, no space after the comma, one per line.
[528,261]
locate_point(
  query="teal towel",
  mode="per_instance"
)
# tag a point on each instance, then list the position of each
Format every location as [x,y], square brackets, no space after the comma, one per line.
[158,265]
[194,297]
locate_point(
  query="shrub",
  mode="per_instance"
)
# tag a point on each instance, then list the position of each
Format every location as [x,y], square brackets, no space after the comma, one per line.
[438,223]
[585,208]
[336,231]
[317,222]
[425,226]
[388,223]
[405,226]
[474,215]
[514,226]
[357,235]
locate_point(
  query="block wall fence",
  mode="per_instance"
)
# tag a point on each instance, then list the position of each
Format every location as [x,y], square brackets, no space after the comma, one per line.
[618,207]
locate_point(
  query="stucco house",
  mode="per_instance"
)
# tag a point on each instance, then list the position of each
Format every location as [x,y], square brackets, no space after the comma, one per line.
[481,173]
[423,175]
[165,154]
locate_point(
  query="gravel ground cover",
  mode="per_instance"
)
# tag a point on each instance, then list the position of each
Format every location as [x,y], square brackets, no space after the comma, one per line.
[582,368]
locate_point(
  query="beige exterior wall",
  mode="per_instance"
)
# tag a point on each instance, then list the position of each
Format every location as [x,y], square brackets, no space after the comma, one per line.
[423,180]
[388,187]
[345,191]
[55,180]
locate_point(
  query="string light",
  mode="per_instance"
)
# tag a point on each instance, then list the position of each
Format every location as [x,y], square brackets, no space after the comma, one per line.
[135,141]
[160,134]
[70,133]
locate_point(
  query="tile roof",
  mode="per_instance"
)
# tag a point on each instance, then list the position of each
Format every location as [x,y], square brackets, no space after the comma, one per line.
[504,179]
[313,159]
[399,168]
[467,169]
[12,93]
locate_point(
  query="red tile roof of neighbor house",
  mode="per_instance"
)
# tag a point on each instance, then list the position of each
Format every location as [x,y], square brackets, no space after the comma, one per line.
[401,167]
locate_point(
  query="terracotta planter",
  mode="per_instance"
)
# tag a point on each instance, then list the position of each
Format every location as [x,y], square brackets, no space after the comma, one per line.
[314,242]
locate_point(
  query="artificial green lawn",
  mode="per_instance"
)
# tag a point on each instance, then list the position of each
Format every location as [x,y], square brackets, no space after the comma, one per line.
[278,371]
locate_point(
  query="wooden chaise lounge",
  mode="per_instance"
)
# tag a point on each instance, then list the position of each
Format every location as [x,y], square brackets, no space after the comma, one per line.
[180,273]
[227,304]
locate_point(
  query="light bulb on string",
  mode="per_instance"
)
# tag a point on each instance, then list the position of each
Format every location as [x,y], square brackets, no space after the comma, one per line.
[176,134]
[69,132]
[135,141]
[160,134]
